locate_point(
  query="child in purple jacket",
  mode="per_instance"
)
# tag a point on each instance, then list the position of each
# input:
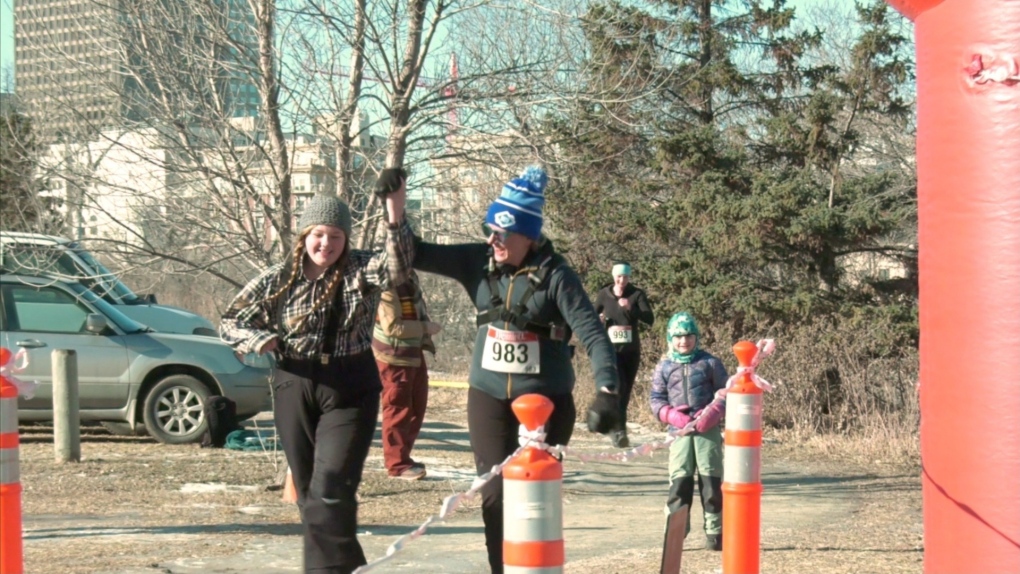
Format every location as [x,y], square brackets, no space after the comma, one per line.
[685,395]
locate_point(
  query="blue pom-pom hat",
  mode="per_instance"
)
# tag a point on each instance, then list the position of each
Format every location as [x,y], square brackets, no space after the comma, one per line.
[519,207]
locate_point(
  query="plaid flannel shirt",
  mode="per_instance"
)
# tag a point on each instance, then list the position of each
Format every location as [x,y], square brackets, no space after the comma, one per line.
[251,321]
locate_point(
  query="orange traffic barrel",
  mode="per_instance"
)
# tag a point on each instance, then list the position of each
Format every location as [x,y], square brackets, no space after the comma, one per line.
[11,561]
[742,468]
[532,500]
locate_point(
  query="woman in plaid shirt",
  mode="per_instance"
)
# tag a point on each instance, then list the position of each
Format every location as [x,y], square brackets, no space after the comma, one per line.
[316,313]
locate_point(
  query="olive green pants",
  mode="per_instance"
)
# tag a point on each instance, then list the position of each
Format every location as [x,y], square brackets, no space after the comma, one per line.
[698,456]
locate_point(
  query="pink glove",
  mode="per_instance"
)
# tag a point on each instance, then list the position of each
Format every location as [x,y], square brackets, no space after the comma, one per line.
[675,416]
[710,416]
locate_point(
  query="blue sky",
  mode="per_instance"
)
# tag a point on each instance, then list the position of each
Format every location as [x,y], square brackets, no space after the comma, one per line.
[7,37]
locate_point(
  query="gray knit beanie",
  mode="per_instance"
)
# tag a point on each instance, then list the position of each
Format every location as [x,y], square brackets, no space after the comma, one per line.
[326,210]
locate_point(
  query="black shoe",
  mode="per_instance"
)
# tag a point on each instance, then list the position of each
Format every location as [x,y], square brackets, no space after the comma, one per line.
[620,439]
[714,542]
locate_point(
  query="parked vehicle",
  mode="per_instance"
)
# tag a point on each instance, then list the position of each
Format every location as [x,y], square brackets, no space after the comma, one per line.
[52,256]
[127,373]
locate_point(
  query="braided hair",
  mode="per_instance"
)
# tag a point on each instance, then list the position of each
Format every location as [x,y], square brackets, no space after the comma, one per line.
[297,259]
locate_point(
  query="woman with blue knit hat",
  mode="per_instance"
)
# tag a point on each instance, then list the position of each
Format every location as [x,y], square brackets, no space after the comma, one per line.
[621,306]
[530,302]
[686,395]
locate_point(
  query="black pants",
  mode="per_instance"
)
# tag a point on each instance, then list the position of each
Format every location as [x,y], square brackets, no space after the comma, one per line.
[493,428]
[627,366]
[326,417]
[681,492]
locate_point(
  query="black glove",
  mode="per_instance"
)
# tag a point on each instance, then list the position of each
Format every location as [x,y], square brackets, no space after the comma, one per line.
[604,413]
[389,181]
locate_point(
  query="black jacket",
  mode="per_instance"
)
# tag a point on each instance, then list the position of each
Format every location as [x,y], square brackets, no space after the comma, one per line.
[560,300]
[606,304]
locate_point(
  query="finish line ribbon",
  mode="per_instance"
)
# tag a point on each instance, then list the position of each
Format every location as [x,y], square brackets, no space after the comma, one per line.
[537,437]
[526,438]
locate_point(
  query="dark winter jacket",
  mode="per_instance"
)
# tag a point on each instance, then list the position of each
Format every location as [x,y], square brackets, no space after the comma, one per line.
[559,300]
[606,304]
[693,384]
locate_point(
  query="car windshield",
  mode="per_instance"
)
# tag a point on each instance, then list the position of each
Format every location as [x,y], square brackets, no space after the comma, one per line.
[125,323]
[38,260]
[109,279]
[57,261]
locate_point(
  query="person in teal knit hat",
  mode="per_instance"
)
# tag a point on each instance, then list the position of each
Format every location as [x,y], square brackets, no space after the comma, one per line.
[686,395]
[621,306]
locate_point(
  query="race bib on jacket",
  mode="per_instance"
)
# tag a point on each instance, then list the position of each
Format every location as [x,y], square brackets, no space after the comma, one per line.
[621,333]
[511,352]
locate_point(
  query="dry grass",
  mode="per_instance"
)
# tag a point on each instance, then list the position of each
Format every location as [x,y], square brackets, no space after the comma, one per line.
[872,451]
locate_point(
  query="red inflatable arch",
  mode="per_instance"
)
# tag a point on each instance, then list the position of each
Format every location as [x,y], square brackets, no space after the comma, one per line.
[968,166]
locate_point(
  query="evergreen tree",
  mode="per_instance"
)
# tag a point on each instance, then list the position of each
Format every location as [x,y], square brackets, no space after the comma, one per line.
[741,186]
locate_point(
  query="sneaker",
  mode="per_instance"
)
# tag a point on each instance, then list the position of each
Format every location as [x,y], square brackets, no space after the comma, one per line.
[414,472]
[714,542]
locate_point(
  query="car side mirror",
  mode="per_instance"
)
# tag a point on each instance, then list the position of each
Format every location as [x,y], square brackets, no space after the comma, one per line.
[149,298]
[96,323]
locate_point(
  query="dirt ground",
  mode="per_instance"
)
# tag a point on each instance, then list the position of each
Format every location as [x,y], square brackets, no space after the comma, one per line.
[131,504]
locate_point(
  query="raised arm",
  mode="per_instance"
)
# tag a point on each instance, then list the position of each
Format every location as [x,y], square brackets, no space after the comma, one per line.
[391,267]
[461,262]
[392,185]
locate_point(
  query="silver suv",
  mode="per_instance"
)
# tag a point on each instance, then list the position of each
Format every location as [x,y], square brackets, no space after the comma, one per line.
[50,256]
[127,373]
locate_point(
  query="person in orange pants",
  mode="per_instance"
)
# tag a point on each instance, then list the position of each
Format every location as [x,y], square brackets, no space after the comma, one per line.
[401,335]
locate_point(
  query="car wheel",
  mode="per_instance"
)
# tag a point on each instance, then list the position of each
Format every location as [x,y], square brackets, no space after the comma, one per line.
[118,428]
[173,410]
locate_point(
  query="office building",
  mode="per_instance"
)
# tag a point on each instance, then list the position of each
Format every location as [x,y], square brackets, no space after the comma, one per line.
[83,66]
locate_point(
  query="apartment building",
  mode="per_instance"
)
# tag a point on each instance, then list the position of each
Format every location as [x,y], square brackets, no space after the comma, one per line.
[83,66]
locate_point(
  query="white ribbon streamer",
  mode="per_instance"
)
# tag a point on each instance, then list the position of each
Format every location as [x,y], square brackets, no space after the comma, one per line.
[622,456]
[527,438]
[25,388]
[765,348]
[451,503]
[536,438]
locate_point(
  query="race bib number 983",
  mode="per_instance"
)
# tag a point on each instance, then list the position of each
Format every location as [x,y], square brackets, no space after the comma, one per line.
[511,352]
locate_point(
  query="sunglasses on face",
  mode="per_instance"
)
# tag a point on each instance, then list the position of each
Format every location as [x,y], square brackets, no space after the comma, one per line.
[500,234]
